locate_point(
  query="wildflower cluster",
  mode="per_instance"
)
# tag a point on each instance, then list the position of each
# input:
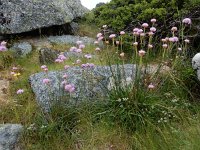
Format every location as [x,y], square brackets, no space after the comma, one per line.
[3,46]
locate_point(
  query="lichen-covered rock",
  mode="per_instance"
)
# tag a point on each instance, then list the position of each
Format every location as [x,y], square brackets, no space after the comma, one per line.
[21,49]
[9,136]
[47,55]
[90,84]
[70,39]
[19,16]
[196,64]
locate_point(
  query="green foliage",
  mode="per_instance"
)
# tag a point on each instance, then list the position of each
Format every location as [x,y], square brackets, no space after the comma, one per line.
[118,14]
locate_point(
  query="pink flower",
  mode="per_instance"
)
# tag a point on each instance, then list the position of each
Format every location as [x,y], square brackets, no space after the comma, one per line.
[135,29]
[164,40]
[180,49]
[20,91]
[14,68]
[96,42]
[81,46]
[2,48]
[136,33]
[100,38]
[141,53]
[122,54]
[12,73]
[140,31]
[61,57]
[59,60]
[150,46]
[153,29]
[70,88]
[151,86]
[122,32]
[173,39]
[64,76]
[104,26]
[187,41]
[174,29]
[117,42]
[3,43]
[112,36]
[88,56]
[142,34]
[153,20]
[79,42]
[164,45]
[97,49]
[78,61]
[187,21]
[145,25]
[99,35]
[151,33]
[46,81]
[135,43]
[79,51]
[73,49]
[66,67]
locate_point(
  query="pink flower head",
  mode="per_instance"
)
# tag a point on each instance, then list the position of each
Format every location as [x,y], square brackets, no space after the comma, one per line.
[164,40]
[164,45]
[117,42]
[62,57]
[141,53]
[20,91]
[180,49]
[153,29]
[173,39]
[142,34]
[79,42]
[73,49]
[135,29]
[88,56]
[174,29]
[78,61]
[150,46]
[136,33]
[151,33]
[153,20]
[64,76]
[12,73]
[66,67]
[69,88]
[100,38]
[151,86]
[81,46]
[104,26]
[140,31]
[79,51]
[59,60]
[187,21]
[14,68]
[145,25]
[122,54]
[3,43]
[99,35]
[2,48]
[112,36]
[46,81]
[96,42]
[187,41]
[97,49]
[135,43]
[122,32]
[43,67]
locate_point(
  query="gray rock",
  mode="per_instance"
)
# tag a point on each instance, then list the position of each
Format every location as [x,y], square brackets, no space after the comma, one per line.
[19,16]
[196,64]
[47,55]
[90,84]
[9,136]
[21,49]
[74,28]
[70,39]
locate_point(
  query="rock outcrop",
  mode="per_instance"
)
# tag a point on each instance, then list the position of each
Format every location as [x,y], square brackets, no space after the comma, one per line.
[90,84]
[18,16]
